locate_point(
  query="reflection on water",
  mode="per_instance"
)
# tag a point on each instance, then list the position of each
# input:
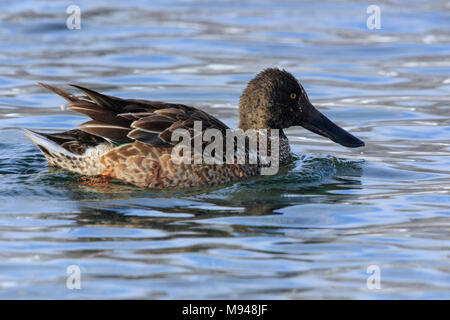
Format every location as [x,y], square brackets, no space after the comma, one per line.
[309,232]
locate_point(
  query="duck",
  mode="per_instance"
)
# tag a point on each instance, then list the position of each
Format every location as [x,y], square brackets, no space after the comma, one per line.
[130,139]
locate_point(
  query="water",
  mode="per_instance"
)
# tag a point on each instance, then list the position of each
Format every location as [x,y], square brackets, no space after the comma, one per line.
[310,232]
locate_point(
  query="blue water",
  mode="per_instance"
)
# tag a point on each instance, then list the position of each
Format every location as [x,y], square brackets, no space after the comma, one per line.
[311,231]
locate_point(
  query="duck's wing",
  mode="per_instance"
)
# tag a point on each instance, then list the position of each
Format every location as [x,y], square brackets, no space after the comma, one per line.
[125,120]
[74,141]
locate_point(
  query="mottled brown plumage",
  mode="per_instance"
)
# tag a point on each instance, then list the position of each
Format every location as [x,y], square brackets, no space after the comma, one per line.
[130,139]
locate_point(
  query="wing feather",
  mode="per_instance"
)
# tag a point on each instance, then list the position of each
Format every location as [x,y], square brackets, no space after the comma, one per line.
[110,132]
[124,120]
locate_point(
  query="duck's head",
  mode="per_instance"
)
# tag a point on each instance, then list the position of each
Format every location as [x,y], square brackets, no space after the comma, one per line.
[274,99]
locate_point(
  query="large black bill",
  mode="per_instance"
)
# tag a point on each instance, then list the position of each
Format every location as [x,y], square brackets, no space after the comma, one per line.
[316,122]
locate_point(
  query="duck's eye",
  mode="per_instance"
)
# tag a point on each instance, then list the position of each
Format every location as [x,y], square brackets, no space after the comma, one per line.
[293,95]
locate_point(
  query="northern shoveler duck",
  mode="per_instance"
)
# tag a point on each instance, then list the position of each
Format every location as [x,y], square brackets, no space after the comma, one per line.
[130,139]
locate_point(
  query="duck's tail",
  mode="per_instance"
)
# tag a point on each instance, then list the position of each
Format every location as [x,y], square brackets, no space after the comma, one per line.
[57,156]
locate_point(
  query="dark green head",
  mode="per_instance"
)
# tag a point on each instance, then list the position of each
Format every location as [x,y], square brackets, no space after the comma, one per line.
[275,99]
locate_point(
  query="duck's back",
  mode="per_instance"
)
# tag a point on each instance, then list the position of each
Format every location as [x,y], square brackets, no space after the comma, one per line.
[130,140]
